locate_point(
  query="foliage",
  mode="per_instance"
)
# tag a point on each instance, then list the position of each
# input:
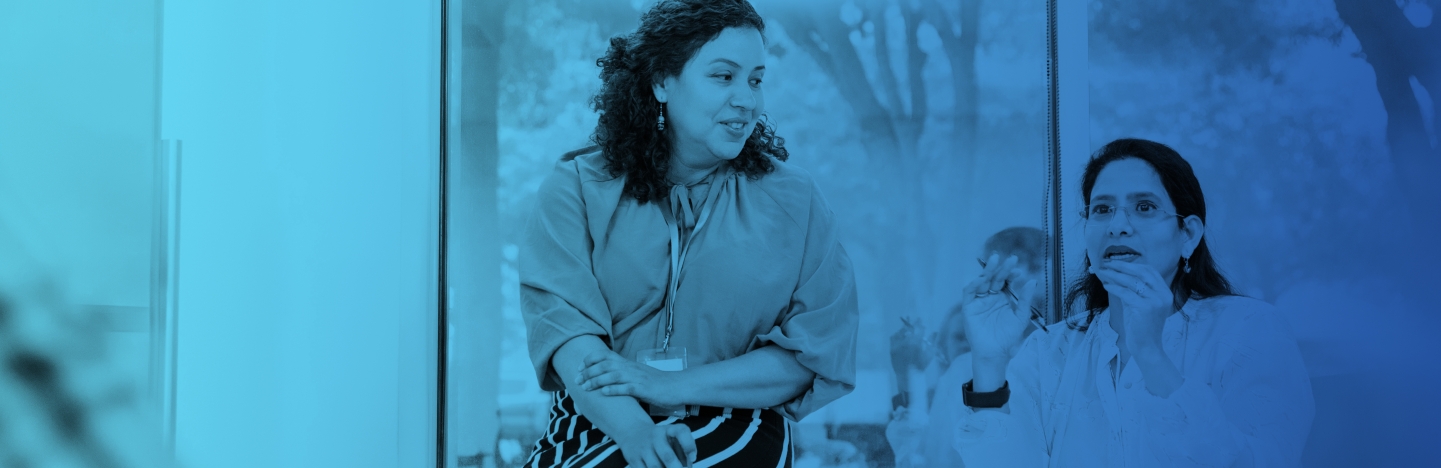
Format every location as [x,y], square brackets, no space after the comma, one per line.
[1275,106]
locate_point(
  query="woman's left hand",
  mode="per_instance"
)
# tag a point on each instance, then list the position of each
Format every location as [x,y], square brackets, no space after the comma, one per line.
[1146,301]
[613,375]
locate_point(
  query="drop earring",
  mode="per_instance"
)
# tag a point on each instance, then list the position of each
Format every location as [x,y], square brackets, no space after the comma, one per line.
[1186,264]
[660,121]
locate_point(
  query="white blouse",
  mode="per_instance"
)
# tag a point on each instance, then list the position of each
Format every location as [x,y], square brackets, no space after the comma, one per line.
[1246,399]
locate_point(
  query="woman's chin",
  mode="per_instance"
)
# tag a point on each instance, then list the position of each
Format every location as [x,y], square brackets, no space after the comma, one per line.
[725,149]
[726,154]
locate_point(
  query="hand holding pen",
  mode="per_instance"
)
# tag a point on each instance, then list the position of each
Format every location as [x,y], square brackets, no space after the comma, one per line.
[996,314]
[1036,317]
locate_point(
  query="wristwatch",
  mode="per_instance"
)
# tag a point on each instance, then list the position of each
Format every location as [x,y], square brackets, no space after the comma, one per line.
[994,399]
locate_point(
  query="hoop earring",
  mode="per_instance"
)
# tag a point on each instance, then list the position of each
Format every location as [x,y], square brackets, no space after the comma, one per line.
[1186,264]
[660,121]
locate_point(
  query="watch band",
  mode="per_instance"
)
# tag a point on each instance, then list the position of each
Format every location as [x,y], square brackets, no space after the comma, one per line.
[994,399]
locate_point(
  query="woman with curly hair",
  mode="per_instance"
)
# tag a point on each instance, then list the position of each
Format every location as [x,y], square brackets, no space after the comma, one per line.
[683,287]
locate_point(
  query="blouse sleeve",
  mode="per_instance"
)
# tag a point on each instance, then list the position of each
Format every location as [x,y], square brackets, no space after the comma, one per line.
[1257,413]
[1010,435]
[559,296]
[820,324]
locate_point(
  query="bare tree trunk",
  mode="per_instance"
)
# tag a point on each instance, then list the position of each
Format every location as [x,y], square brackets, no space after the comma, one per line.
[959,39]
[961,53]
[907,169]
[1398,51]
[828,43]
[892,128]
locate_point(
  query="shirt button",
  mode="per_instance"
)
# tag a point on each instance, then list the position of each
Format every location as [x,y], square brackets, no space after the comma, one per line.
[1128,385]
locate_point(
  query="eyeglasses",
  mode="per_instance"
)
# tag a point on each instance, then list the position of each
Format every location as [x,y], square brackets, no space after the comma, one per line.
[1143,210]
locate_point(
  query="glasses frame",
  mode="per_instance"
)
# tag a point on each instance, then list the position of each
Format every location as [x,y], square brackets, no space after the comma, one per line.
[1130,214]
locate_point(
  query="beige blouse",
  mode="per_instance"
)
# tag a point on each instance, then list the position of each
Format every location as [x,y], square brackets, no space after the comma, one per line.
[766,267]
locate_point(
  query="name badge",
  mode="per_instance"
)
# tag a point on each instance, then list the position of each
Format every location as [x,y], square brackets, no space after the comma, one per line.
[671,359]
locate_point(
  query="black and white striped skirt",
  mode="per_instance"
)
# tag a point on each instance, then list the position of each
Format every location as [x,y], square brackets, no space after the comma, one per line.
[724,437]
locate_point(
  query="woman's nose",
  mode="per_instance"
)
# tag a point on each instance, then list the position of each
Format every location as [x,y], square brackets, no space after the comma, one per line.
[744,98]
[1120,224]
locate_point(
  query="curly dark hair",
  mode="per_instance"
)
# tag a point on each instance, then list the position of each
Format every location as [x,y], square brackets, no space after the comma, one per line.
[668,36]
[1204,280]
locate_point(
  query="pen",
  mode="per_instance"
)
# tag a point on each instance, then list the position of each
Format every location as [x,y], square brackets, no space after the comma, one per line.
[1006,288]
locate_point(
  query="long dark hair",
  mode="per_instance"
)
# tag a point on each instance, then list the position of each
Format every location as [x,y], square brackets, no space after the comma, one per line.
[668,36]
[1205,278]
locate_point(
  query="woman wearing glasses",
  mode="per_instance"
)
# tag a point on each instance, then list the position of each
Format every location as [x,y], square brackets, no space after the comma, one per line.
[1159,363]
[683,287]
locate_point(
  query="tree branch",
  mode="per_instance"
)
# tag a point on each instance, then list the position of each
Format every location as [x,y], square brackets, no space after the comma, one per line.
[828,43]
[885,69]
[916,60]
[1396,51]
[961,53]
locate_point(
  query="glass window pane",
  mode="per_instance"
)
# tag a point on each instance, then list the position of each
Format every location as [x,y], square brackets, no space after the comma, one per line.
[924,124]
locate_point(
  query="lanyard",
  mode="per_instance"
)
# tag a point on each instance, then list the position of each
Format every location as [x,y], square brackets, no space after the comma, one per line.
[679,249]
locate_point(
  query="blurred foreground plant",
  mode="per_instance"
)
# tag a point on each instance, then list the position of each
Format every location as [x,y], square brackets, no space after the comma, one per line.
[62,402]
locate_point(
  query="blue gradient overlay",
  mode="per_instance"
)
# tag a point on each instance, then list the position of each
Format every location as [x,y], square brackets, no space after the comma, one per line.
[309,239]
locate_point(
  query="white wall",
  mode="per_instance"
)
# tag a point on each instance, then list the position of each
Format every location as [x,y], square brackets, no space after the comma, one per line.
[309,230]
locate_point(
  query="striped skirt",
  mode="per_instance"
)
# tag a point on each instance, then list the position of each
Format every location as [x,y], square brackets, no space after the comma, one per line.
[724,437]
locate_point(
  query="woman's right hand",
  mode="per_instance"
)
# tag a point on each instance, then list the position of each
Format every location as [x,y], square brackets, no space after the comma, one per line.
[996,322]
[651,446]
